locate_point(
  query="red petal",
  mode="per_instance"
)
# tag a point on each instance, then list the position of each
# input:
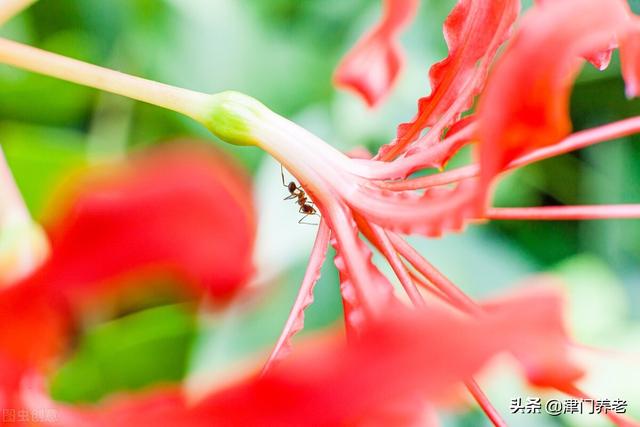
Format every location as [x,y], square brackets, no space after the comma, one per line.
[163,407]
[184,210]
[371,67]
[295,321]
[362,285]
[436,154]
[543,351]
[179,209]
[525,105]
[334,384]
[331,383]
[436,211]
[600,59]
[630,61]
[35,326]
[474,31]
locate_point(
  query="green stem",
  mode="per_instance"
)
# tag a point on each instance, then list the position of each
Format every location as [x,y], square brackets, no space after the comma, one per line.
[187,102]
[227,114]
[11,8]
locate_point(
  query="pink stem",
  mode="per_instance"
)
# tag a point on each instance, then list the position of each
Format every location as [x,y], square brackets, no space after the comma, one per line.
[447,177]
[429,287]
[389,251]
[458,298]
[573,142]
[347,241]
[295,321]
[485,404]
[554,213]
[398,267]
[452,293]
[579,140]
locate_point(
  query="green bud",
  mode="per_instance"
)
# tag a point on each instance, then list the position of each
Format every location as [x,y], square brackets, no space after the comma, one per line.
[231,116]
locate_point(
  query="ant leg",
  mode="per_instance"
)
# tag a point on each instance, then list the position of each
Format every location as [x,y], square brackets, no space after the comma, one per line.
[289,197]
[301,221]
[307,223]
[282,175]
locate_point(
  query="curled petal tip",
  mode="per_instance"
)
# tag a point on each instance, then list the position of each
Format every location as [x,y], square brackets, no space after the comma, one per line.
[371,68]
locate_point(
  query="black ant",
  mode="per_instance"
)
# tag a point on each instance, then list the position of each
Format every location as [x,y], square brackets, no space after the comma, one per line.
[296,192]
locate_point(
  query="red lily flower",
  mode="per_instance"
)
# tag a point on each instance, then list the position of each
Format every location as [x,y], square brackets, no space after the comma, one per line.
[522,118]
[516,124]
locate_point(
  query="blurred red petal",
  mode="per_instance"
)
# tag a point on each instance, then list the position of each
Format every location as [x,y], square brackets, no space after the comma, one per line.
[630,61]
[371,67]
[419,352]
[543,352]
[183,210]
[392,361]
[22,310]
[600,59]
[34,331]
[474,31]
[525,105]
[164,407]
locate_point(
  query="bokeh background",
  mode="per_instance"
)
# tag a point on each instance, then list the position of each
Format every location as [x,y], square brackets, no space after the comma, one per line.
[284,52]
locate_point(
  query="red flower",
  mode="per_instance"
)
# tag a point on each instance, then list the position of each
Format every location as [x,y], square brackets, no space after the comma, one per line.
[522,118]
[411,356]
[179,210]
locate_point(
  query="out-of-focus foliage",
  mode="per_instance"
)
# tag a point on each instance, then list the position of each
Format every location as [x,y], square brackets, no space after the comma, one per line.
[124,354]
[284,52]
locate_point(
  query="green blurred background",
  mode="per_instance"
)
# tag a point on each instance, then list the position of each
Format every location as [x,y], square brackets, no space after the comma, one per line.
[283,52]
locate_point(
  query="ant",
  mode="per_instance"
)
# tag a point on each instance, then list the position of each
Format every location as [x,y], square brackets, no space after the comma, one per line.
[296,192]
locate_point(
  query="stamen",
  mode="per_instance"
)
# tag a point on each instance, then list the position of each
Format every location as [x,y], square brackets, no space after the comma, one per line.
[460,300]
[398,267]
[563,213]
[485,404]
